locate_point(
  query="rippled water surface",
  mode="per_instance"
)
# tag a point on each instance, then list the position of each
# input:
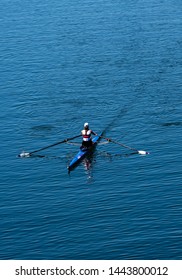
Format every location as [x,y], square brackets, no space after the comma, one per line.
[117,65]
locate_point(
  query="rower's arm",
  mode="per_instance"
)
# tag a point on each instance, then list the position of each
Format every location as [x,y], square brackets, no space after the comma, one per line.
[94,133]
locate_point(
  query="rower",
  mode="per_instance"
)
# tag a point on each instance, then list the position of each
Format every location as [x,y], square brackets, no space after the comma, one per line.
[87,138]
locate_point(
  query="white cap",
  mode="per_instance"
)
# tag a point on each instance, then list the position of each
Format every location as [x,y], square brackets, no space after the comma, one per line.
[86,124]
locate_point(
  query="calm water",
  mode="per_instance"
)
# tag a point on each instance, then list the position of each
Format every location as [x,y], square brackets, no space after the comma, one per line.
[117,65]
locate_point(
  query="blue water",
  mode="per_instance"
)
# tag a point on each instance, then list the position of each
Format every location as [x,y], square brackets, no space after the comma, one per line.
[117,65]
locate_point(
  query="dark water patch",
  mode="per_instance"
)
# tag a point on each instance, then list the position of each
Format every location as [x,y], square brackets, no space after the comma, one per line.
[172,124]
[42,128]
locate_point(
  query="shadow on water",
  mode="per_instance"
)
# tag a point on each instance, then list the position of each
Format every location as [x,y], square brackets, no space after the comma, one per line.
[121,112]
[111,156]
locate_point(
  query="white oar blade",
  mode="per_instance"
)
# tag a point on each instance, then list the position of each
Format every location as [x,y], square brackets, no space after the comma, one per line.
[143,153]
[24,154]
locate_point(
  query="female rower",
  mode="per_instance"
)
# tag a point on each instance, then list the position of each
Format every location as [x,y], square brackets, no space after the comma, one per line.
[87,138]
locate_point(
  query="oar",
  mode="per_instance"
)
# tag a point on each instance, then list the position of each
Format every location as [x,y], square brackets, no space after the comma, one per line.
[26,154]
[125,146]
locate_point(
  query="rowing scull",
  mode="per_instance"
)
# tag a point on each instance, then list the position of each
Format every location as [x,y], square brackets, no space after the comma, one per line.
[83,153]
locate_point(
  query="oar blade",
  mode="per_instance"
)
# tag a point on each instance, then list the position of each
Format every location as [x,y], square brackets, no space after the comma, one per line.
[24,154]
[143,153]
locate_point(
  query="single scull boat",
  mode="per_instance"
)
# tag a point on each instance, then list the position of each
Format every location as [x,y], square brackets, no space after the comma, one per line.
[83,153]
